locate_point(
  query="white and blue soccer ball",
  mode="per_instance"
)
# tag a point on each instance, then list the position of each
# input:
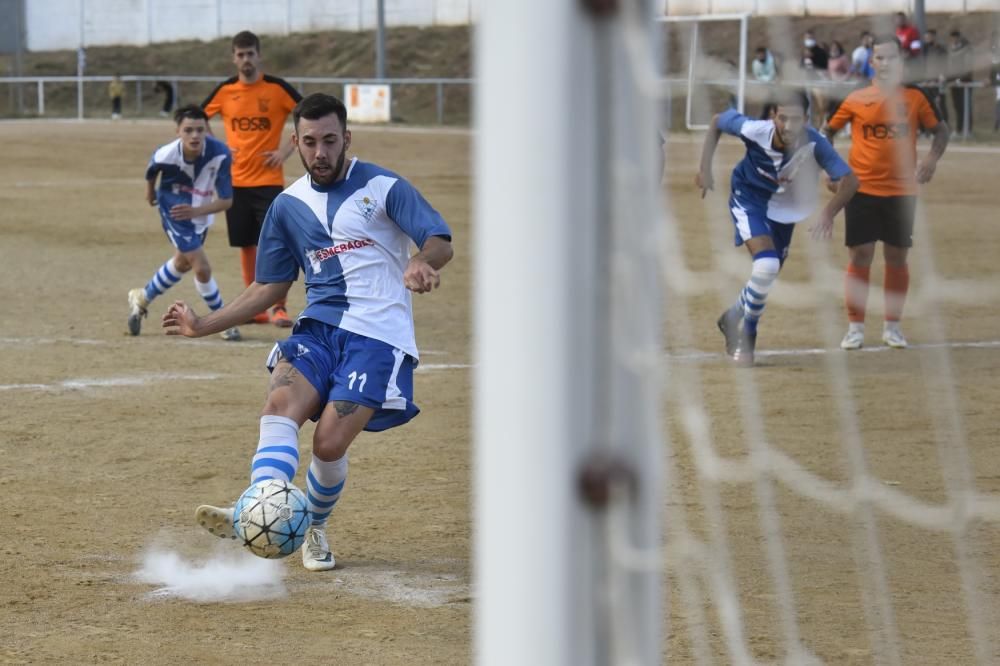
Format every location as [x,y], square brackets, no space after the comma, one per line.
[271,518]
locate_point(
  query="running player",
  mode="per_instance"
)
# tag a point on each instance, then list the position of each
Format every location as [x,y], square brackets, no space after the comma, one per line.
[189,168]
[254,107]
[348,226]
[885,118]
[774,187]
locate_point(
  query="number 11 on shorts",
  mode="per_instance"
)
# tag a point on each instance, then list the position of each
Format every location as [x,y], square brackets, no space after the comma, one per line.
[362,378]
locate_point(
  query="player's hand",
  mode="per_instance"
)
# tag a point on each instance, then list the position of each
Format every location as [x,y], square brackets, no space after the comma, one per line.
[180,319]
[420,277]
[831,185]
[182,212]
[273,158]
[925,170]
[151,200]
[823,229]
[705,181]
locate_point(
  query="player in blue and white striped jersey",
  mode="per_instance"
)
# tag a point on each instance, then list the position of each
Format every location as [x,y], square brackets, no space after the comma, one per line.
[348,226]
[774,187]
[194,184]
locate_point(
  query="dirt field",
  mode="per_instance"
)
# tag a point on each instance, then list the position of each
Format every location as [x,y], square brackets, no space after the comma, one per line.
[110,441]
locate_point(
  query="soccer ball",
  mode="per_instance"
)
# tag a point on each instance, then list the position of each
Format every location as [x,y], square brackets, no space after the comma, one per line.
[271,518]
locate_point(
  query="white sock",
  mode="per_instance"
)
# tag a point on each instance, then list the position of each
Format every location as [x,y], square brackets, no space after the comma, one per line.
[210,292]
[277,454]
[324,483]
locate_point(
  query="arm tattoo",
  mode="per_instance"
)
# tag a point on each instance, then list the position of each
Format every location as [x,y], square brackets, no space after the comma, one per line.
[345,408]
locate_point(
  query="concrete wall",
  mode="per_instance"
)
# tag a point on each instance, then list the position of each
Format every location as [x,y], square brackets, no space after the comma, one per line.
[67,24]
[822,7]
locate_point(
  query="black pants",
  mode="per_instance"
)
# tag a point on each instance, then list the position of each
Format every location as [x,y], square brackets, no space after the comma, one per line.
[958,101]
[116,105]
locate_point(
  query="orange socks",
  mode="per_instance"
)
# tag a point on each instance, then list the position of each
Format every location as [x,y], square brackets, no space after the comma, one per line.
[897,283]
[856,292]
[248,262]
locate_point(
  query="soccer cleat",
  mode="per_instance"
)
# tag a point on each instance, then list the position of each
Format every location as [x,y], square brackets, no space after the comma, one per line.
[316,555]
[216,520]
[743,354]
[854,339]
[279,317]
[138,305]
[729,324]
[893,337]
[231,335]
[260,318]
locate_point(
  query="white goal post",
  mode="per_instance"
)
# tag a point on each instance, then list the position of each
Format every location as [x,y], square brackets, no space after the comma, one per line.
[693,52]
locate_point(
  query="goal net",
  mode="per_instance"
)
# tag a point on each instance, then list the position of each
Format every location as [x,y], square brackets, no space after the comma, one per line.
[824,506]
[828,506]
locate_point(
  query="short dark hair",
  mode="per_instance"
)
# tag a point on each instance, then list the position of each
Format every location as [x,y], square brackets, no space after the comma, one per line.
[245,40]
[189,112]
[319,105]
[789,97]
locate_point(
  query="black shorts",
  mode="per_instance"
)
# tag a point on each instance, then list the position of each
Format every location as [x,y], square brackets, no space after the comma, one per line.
[870,218]
[245,217]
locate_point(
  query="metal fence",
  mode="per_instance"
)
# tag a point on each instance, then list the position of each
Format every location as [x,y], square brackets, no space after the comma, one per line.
[425,100]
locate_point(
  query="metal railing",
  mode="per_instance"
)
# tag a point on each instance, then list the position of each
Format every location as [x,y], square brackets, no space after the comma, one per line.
[40,83]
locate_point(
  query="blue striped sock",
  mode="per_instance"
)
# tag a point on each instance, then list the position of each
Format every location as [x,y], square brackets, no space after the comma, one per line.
[277,451]
[163,279]
[753,298]
[210,292]
[324,483]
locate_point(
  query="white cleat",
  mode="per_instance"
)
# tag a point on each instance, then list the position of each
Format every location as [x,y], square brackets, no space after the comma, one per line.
[231,335]
[138,305]
[893,337]
[316,555]
[216,520]
[855,339]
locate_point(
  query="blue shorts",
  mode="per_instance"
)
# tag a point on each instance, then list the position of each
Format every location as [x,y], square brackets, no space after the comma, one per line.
[751,221]
[183,234]
[346,366]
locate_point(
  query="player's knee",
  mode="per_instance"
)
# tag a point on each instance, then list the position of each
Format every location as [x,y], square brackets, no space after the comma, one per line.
[182,263]
[766,268]
[329,446]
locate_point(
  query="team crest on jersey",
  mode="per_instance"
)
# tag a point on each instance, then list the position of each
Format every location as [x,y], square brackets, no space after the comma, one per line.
[263,103]
[367,206]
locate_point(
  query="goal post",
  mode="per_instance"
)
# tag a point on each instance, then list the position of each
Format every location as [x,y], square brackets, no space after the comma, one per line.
[566,420]
[694,78]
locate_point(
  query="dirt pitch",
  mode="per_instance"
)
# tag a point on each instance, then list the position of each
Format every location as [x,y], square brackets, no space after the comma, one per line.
[109,441]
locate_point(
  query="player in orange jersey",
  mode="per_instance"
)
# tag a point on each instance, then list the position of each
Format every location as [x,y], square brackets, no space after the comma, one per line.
[885,118]
[254,107]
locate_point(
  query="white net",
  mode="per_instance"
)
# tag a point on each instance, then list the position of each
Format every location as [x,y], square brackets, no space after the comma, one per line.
[829,506]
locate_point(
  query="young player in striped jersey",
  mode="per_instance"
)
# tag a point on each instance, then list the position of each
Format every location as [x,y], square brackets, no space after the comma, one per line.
[348,227]
[194,184]
[885,118]
[774,187]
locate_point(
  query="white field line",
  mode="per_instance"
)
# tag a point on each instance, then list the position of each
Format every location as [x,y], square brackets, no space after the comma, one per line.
[109,382]
[222,344]
[708,356]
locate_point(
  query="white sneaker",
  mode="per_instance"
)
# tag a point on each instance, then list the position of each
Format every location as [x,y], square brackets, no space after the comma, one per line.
[231,335]
[216,520]
[893,337]
[854,339]
[316,555]
[138,305]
